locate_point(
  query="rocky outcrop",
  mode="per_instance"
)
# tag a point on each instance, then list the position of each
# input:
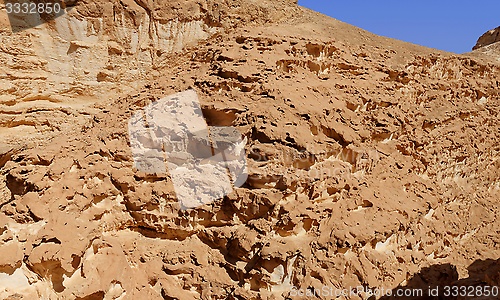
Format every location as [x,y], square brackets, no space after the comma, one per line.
[370,161]
[488,38]
[104,49]
[488,46]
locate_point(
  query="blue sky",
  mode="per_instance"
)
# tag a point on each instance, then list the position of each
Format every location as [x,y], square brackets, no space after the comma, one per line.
[448,25]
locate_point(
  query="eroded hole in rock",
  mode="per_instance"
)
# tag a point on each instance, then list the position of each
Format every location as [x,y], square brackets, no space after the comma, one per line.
[259,181]
[18,186]
[260,136]
[258,155]
[94,296]
[219,117]
[347,67]
[383,137]
[331,133]
[314,130]
[286,66]
[6,155]
[352,106]
[241,40]
[366,204]
[320,51]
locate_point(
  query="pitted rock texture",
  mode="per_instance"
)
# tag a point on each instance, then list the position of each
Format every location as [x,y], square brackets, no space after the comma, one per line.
[101,50]
[370,161]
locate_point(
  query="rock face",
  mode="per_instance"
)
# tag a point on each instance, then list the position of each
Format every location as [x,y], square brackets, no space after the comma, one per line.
[488,38]
[488,46]
[101,49]
[370,161]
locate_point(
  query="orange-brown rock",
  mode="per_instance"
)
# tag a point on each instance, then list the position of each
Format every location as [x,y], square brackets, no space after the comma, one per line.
[370,160]
[490,37]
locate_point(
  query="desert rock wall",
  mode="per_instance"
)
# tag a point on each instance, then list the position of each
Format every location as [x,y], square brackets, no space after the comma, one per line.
[100,50]
[370,161]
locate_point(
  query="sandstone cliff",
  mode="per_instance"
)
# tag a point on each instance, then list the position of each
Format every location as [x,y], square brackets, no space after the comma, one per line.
[370,160]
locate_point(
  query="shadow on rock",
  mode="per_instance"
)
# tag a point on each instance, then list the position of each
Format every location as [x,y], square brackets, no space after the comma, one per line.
[440,282]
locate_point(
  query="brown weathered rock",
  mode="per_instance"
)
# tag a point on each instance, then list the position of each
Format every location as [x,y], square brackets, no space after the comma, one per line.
[488,38]
[370,160]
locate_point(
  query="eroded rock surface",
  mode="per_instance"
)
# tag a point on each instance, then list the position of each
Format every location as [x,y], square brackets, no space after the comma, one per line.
[488,38]
[369,160]
[488,46]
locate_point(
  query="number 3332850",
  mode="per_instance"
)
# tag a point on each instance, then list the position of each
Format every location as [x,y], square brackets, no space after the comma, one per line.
[33,8]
